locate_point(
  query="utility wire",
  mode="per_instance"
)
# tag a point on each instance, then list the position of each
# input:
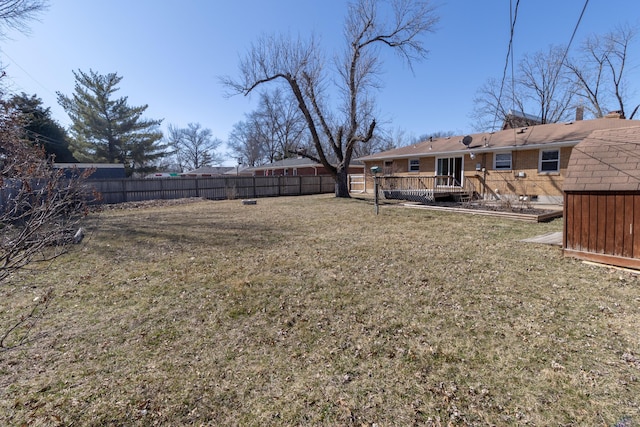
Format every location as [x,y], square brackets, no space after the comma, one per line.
[575,30]
[25,71]
[566,51]
[513,16]
[8,75]
[43,138]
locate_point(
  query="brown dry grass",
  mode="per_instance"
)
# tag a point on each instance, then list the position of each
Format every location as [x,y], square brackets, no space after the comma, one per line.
[313,311]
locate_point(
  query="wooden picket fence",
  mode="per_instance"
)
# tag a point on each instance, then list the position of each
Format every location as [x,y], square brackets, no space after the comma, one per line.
[214,188]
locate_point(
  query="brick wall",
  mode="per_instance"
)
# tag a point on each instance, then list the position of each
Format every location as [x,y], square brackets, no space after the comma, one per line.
[547,186]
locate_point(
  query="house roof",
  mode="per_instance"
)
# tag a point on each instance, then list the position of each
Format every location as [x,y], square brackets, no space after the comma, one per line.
[292,162]
[555,134]
[607,160]
[295,162]
[101,170]
[208,170]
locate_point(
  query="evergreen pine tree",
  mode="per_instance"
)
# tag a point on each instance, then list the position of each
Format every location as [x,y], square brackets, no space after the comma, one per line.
[42,129]
[107,129]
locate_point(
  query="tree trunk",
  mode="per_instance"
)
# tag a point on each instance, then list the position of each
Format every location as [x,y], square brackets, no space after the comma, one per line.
[342,183]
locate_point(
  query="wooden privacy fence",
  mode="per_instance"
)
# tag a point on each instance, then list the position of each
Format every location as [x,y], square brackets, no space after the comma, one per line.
[215,188]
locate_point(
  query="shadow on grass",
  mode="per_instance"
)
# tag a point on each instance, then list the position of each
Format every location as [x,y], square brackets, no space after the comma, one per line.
[209,234]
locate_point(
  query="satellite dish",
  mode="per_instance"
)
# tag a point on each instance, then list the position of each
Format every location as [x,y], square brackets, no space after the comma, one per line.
[467,140]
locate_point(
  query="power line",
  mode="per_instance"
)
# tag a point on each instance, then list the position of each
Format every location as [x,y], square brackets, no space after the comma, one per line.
[46,139]
[513,17]
[25,71]
[8,75]
[575,30]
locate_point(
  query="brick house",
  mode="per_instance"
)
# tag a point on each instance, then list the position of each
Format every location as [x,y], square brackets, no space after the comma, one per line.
[528,161]
[295,167]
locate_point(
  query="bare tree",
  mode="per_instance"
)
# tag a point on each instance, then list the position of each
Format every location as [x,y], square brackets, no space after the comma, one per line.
[543,87]
[601,69]
[589,75]
[540,88]
[245,143]
[492,105]
[300,67]
[15,14]
[283,126]
[193,146]
[383,140]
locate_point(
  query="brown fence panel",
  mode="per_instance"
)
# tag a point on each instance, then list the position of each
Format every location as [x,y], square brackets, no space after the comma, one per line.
[327,185]
[266,186]
[311,185]
[214,188]
[290,185]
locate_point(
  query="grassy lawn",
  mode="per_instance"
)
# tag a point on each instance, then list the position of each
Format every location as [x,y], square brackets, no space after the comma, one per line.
[314,311]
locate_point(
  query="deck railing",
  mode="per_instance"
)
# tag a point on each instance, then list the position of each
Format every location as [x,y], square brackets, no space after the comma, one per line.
[423,189]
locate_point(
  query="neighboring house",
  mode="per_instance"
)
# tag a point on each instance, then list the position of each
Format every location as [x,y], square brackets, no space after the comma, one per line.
[602,198]
[517,119]
[100,170]
[523,162]
[208,171]
[297,166]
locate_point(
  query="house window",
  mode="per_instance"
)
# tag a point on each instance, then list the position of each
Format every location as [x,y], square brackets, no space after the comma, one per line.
[502,161]
[414,165]
[388,167]
[549,161]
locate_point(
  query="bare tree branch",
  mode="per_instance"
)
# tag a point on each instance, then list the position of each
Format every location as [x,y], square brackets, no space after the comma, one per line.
[299,66]
[16,14]
[599,72]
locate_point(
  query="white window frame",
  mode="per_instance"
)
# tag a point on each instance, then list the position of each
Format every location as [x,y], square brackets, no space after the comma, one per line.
[414,163]
[454,167]
[541,162]
[504,167]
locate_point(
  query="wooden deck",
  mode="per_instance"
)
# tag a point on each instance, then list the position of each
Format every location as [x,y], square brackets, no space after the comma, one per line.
[424,189]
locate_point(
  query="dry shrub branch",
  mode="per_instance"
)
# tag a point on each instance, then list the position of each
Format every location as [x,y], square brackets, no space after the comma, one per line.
[40,210]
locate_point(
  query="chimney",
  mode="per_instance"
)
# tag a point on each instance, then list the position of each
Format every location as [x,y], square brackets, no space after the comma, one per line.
[615,115]
[579,113]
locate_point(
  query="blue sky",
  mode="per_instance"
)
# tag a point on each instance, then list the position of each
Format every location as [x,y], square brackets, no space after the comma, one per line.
[170,53]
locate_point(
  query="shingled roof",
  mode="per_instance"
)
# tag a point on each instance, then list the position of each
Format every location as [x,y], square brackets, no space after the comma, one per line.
[607,160]
[561,134]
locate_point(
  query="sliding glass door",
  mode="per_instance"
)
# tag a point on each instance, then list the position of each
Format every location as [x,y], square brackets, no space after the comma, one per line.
[449,171]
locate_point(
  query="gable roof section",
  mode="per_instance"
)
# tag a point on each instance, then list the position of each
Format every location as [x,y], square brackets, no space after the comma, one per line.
[607,160]
[208,171]
[101,170]
[292,162]
[555,134]
[295,162]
